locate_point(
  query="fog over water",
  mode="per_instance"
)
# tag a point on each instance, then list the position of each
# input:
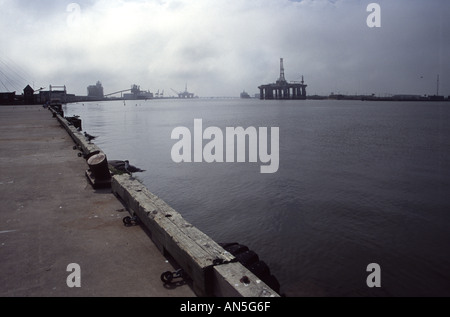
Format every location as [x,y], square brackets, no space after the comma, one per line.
[358,183]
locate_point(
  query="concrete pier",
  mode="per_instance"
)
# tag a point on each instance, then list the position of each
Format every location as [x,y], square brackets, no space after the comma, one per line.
[214,271]
[197,254]
[50,217]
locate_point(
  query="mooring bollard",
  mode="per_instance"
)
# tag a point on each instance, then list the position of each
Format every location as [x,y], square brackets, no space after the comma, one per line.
[98,165]
[75,121]
[77,124]
[98,173]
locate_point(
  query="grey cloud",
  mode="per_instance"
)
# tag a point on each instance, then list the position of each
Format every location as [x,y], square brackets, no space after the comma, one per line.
[221,47]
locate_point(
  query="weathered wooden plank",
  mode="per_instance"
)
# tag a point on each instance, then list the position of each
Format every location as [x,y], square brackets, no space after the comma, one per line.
[194,251]
[157,207]
[235,280]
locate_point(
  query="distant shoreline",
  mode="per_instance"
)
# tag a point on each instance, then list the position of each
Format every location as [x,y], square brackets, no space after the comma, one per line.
[337,97]
[374,98]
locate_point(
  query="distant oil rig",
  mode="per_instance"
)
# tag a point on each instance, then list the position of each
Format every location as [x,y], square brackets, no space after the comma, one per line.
[185,94]
[282,89]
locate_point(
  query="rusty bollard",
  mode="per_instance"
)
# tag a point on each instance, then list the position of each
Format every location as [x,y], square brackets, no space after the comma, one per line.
[98,173]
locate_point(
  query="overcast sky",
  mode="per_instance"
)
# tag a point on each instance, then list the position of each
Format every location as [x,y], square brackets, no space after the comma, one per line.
[221,47]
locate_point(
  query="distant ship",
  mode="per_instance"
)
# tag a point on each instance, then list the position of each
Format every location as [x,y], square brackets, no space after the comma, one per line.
[245,95]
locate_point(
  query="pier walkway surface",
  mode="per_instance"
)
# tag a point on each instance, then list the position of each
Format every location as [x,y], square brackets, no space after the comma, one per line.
[51,217]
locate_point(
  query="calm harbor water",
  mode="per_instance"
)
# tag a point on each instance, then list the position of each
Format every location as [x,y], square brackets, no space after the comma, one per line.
[358,183]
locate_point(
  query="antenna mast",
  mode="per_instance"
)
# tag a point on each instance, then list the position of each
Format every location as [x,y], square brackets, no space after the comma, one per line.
[437,91]
[282,78]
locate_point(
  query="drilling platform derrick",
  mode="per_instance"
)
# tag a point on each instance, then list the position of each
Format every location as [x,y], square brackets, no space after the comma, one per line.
[282,89]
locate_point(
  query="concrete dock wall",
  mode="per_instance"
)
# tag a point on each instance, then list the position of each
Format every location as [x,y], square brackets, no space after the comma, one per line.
[86,147]
[213,270]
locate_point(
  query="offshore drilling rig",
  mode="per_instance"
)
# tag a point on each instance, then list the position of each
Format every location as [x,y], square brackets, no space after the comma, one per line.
[282,89]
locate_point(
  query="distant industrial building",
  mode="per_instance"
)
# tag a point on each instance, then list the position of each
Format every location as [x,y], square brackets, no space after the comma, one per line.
[138,94]
[58,94]
[95,91]
[28,95]
[31,96]
[7,98]
[282,89]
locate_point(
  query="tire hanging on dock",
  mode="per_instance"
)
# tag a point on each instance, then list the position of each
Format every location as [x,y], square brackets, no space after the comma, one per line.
[251,261]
